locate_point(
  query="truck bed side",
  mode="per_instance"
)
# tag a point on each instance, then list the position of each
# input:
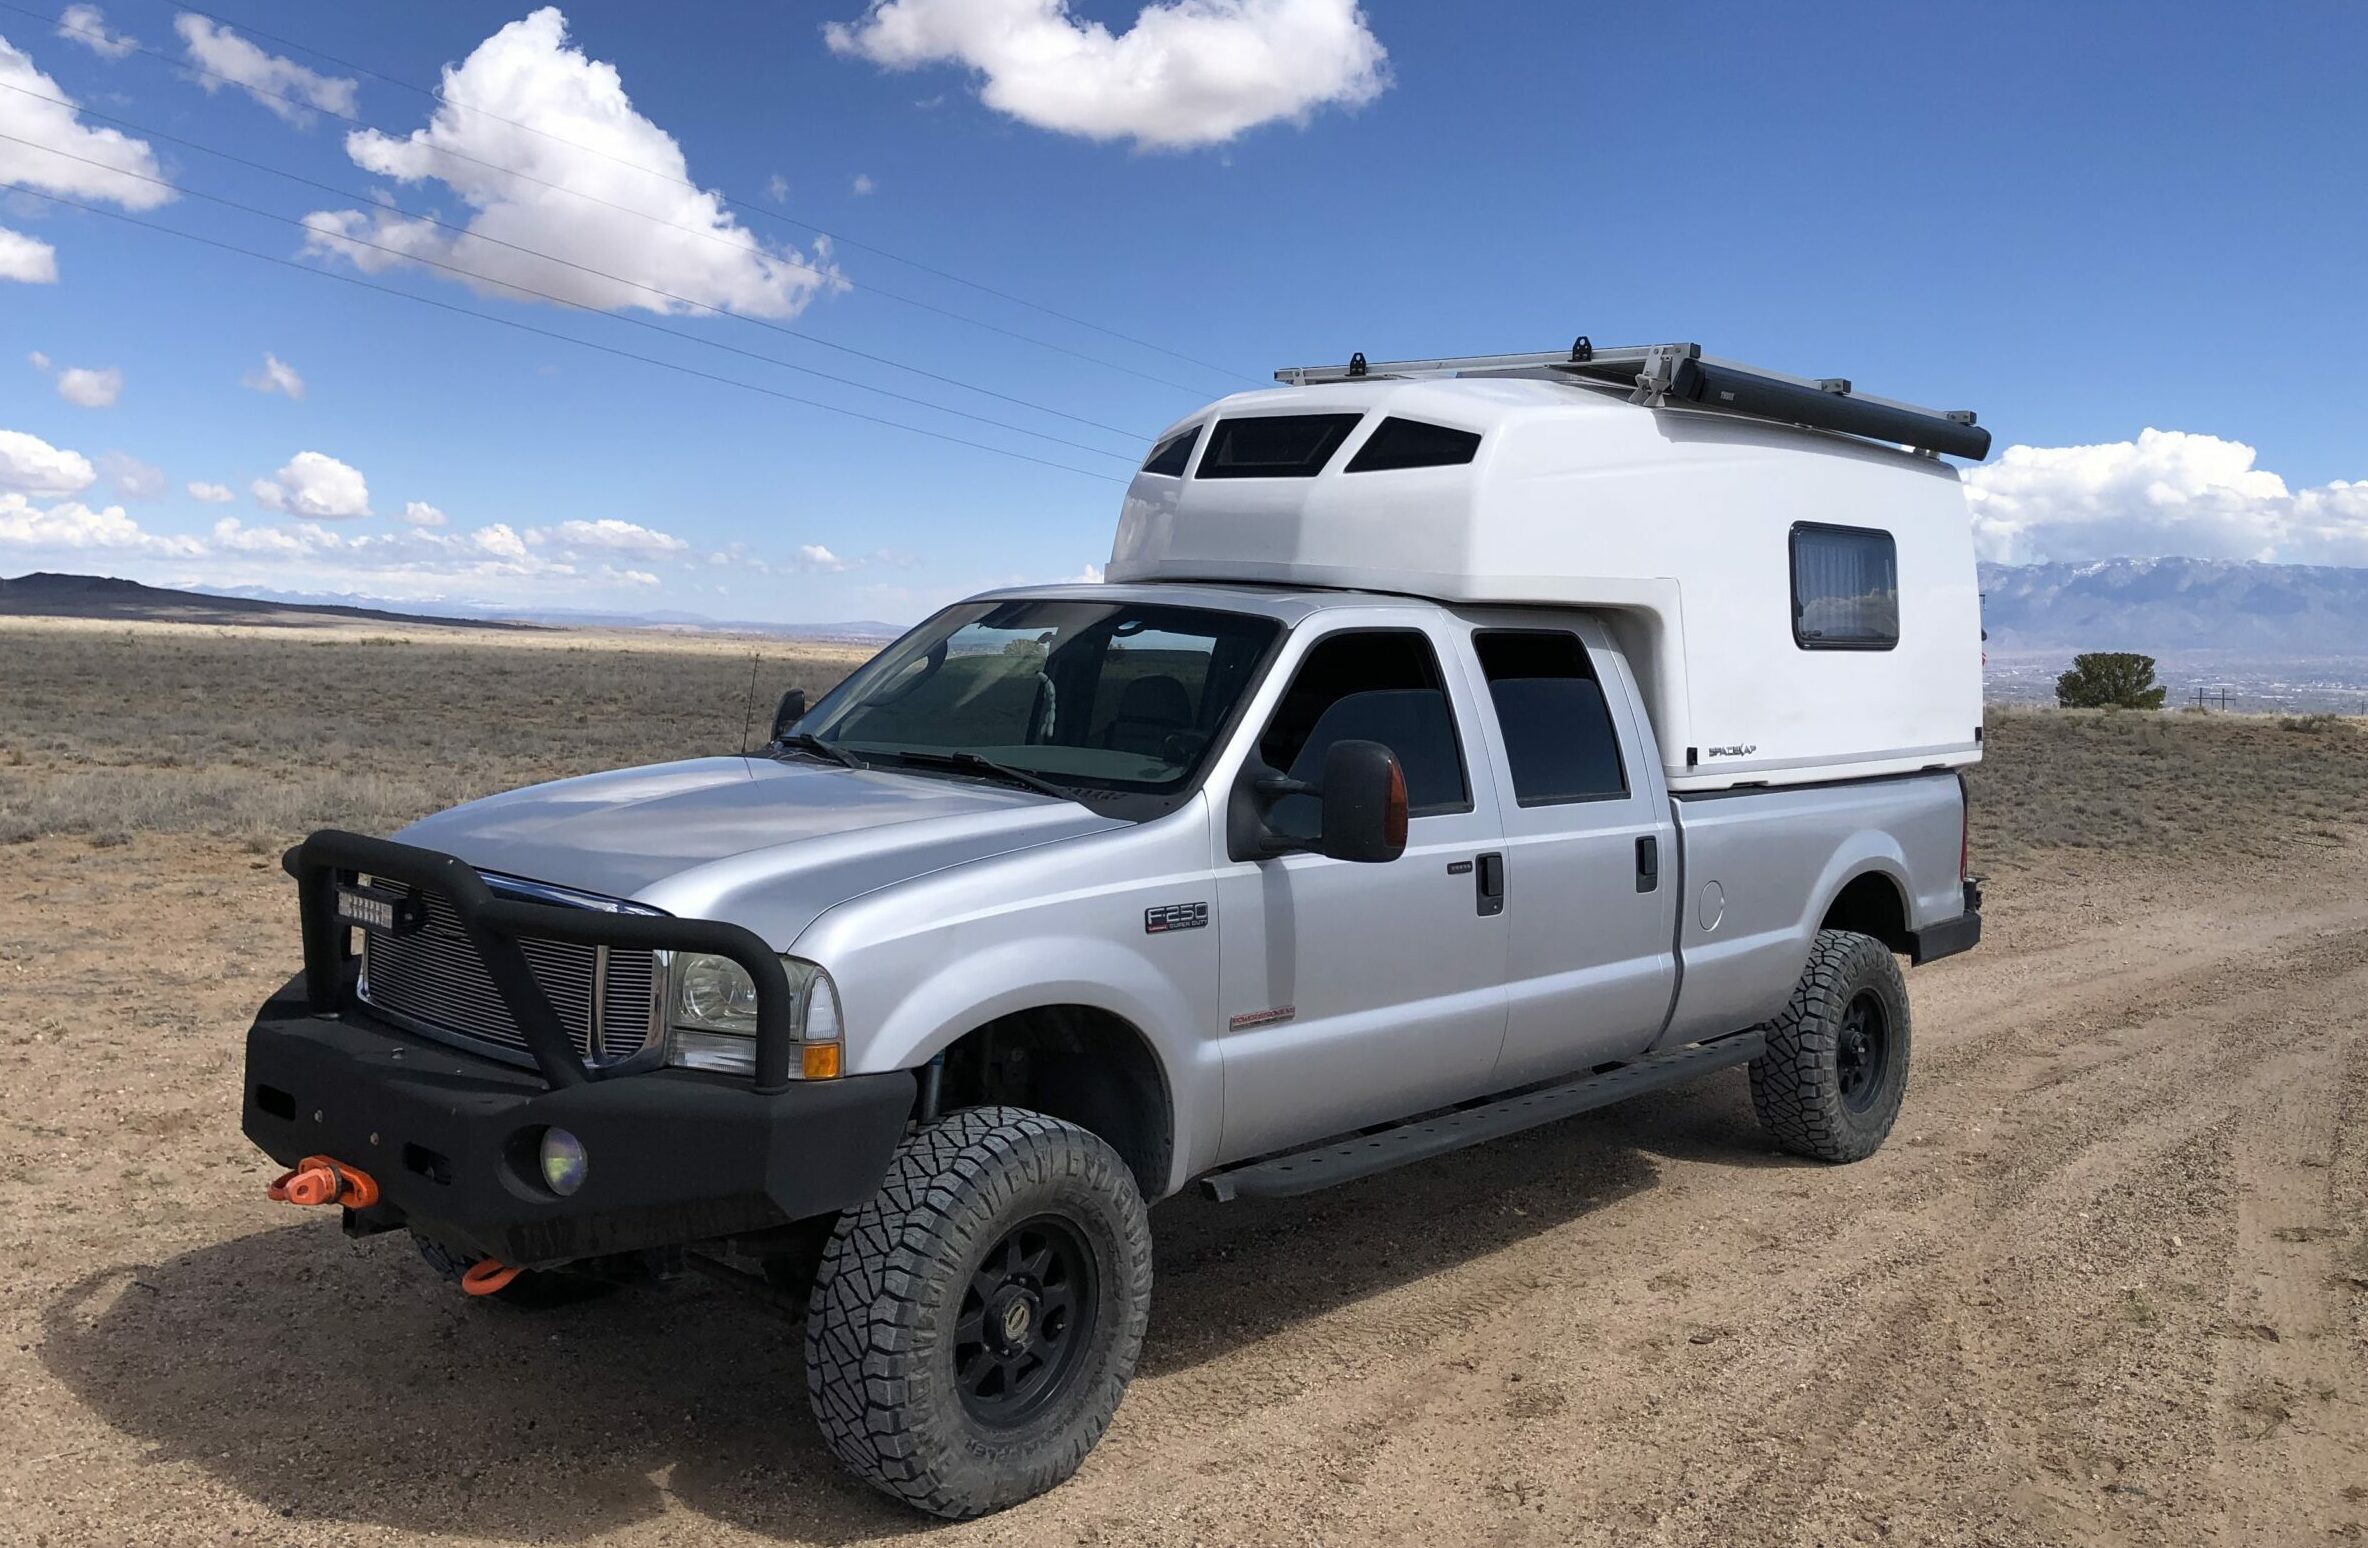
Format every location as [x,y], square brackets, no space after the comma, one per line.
[1762,869]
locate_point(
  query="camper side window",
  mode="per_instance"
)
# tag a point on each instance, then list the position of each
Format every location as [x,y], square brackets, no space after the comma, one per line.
[1375,685]
[1845,588]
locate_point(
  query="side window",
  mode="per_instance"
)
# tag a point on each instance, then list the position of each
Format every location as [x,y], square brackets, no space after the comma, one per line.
[1845,588]
[1379,685]
[1169,456]
[1559,737]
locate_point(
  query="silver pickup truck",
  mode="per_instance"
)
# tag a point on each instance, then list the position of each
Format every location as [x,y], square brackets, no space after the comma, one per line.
[1072,898]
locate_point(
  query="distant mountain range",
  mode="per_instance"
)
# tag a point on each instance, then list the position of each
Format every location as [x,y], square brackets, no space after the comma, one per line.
[2164,607]
[100,596]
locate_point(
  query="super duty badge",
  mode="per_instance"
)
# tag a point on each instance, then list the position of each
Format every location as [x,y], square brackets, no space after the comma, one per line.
[1175,916]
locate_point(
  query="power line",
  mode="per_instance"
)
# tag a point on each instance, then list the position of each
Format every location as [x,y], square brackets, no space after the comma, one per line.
[558,300]
[707,234]
[564,338]
[464,231]
[435,94]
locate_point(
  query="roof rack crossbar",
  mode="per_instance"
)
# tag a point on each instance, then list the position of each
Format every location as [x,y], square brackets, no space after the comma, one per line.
[1680,375]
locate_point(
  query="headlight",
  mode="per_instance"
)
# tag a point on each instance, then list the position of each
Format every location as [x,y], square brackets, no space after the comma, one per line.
[712,1017]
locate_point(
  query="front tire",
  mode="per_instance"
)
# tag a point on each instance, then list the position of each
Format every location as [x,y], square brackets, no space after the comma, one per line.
[1830,1083]
[974,1325]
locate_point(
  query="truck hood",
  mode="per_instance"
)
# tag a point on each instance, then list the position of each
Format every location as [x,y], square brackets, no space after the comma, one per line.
[760,842]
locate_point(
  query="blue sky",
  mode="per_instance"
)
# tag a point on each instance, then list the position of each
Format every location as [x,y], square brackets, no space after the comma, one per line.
[2087,222]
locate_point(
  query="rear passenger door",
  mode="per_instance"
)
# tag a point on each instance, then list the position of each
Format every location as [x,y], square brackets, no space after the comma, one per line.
[1590,847]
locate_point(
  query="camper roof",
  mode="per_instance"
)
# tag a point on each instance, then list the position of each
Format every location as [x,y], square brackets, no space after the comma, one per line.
[1680,375]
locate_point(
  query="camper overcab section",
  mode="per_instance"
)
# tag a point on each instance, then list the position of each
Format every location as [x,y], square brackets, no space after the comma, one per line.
[1798,605]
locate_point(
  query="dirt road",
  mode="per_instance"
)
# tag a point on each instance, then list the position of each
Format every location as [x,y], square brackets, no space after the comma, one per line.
[2107,1284]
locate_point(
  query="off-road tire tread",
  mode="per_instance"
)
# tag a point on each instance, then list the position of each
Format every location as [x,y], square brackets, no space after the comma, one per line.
[879,1405]
[1794,1085]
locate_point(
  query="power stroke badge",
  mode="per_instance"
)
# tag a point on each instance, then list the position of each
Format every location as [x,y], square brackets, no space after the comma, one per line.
[1175,916]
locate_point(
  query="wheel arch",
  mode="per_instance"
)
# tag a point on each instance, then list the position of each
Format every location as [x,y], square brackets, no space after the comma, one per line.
[1080,1062]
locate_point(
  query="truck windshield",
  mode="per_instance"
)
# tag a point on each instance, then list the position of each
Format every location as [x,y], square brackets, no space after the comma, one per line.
[1117,696]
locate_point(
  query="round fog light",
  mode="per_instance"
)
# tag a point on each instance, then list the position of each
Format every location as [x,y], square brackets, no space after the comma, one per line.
[564,1162]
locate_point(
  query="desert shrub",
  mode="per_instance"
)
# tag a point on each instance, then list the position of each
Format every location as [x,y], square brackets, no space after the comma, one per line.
[2110,679]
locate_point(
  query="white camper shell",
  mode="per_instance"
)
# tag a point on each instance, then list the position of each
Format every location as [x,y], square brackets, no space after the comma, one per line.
[1799,604]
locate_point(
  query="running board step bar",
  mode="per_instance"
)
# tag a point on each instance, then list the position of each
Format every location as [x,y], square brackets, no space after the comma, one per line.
[1305,1171]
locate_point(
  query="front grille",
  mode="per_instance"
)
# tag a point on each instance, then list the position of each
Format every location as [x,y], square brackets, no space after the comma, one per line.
[434,979]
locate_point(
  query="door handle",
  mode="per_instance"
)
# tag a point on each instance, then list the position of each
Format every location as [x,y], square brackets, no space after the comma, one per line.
[1648,864]
[1489,882]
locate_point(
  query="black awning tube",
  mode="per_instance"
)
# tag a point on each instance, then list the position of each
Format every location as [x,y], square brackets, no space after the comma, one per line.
[1765,397]
[495,924]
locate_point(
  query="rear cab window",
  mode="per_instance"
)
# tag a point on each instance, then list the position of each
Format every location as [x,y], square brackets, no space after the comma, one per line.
[1561,743]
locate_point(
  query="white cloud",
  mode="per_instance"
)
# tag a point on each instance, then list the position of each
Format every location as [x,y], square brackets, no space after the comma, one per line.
[566,122]
[1187,73]
[813,556]
[28,259]
[609,535]
[87,25]
[71,525]
[274,375]
[2168,492]
[40,113]
[282,85]
[1091,575]
[87,388]
[777,188]
[37,360]
[132,479]
[418,513]
[30,465]
[863,183]
[211,494]
[314,485]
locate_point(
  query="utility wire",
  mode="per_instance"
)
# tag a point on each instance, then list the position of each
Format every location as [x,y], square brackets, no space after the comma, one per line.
[558,300]
[436,94]
[551,333]
[478,236]
[707,233]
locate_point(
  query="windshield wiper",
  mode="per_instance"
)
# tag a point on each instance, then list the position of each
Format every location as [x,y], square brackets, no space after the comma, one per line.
[808,742]
[974,763]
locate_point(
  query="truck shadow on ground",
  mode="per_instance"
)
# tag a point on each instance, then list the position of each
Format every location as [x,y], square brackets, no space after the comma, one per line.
[341,1382]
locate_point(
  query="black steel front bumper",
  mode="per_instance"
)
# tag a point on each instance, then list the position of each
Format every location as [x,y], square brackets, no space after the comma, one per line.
[674,1156]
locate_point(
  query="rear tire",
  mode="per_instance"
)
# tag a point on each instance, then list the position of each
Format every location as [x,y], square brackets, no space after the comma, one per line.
[975,1324]
[1830,1083]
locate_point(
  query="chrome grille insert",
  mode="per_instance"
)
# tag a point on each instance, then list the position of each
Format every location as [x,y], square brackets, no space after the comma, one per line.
[435,982]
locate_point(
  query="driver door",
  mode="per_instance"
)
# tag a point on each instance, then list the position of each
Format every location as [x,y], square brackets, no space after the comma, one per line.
[1356,993]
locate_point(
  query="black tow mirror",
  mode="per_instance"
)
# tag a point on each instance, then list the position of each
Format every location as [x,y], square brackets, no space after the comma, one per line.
[792,710]
[1364,794]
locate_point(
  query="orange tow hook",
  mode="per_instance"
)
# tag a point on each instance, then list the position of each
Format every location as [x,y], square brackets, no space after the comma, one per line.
[487,1275]
[325,1180]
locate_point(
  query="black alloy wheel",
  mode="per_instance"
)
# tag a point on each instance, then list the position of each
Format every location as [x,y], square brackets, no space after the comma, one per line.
[1027,1314]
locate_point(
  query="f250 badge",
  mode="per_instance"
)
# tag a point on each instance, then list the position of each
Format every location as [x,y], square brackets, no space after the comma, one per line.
[1175,916]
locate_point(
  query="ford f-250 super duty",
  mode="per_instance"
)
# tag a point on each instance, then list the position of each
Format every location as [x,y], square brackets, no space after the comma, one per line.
[1457,747]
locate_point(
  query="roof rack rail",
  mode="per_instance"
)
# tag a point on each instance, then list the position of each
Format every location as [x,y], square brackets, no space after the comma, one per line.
[1659,375]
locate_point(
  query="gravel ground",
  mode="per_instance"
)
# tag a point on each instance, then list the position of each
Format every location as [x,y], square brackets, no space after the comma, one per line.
[2106,1284]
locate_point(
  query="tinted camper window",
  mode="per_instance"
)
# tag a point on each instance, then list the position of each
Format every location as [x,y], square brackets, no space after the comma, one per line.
[1275,445]
[1170,455]
[1845,588]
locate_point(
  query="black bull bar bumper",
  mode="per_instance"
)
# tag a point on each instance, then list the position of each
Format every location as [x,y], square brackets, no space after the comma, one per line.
[673,1156]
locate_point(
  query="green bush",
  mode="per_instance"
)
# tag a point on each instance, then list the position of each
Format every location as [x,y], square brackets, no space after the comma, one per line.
[2110,679]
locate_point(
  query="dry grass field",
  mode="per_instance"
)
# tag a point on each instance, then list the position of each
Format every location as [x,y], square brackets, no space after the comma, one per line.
[2108,1284]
